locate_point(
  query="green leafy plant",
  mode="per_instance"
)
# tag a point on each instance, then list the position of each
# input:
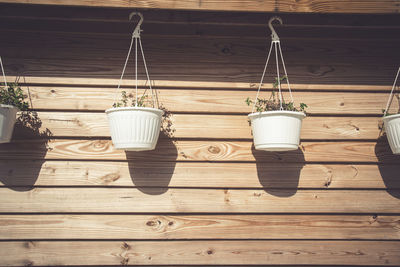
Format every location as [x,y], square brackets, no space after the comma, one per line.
[166,124]
[28,124]
[13,95]
[124,102]
[273,104]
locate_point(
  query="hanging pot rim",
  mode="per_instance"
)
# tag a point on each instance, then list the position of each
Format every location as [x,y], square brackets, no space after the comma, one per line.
[389,117]
[8,106]
[154,110]
[277,112]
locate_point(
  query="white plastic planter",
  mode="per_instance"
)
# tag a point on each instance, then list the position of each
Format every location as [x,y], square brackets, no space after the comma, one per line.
[392,129]
[8,117]
[276,130]
[134,128]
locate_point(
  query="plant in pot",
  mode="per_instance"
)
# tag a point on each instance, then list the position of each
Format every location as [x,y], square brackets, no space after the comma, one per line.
[276,124]
[11,101]
[391,122]
[135,126]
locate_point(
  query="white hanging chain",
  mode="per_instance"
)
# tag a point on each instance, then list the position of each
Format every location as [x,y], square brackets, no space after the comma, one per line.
[262,77]
[4,74]
[136,37]
[275,43]
[123,71]
[147,74]
[284,69]
[391,93]
[279,78]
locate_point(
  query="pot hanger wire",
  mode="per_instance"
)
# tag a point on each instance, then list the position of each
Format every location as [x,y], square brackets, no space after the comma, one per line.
[4,74]
[391,93]
[137,40]
[276,44]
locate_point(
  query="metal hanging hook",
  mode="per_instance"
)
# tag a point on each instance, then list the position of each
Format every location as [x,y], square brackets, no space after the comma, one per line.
[137,30]
[274,35]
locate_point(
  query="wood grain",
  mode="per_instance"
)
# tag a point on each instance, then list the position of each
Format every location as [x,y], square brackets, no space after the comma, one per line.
[201,252]
[201,59]
[156,200]
[308,6]
[168,150]
[30,173]
[213,126]
[79,98]
[180,17]
[240,28]
[17,227]
[165,69]
[43,83]
[200,49]
[204,197]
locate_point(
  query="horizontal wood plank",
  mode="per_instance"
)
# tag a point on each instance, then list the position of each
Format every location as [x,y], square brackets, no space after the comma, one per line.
[218,48]
[30,173]
[43,83]
[240,28]
[23,227]
[184,17]
[218,59]
[183,150]
[200,252]
[211,101]
[155,200]
[309,6]
[212,126]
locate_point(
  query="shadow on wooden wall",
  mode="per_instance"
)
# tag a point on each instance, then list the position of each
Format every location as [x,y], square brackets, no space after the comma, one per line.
[153,177]
[279,179]
[27,130]
[389,171]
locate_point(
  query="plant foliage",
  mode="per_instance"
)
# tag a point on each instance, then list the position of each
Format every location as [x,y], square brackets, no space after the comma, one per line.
[13,95]
[125,99]
[272,103]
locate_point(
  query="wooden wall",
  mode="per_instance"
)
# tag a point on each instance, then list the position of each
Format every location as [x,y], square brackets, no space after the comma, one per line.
[204,197]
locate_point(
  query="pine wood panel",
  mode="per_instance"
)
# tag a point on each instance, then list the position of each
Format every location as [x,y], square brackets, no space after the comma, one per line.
[176,17]
[185,50]
[17,227]
[156,200]
[122,27]
[213,101]
[39,83]
[167,69]
[308,6]
[213,126]
[185,174]
[200,252]
[207,150]
[201,59]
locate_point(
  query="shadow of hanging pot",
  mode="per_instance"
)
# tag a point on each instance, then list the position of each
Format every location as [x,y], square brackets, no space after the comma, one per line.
[389,166]
[151,171]
[279,172]
[25,155]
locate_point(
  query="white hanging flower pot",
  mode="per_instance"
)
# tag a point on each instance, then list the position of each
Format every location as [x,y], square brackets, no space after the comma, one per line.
[276,125]
[11,101]
[134,128]
[392,129]
[392,123]
[8,117]
[276,130]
